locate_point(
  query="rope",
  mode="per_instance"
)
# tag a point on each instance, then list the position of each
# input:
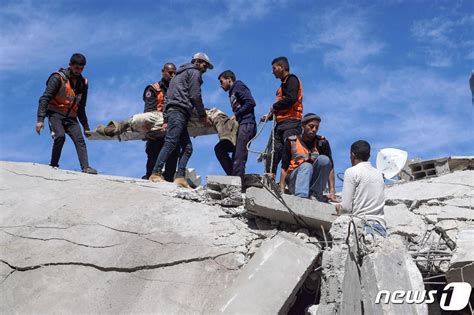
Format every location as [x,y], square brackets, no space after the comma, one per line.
[277,194]
[263,154]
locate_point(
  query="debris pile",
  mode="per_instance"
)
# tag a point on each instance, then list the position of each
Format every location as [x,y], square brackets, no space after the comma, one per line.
[153,247]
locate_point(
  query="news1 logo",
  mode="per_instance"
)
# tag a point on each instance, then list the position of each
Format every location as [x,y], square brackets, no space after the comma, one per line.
[461,291]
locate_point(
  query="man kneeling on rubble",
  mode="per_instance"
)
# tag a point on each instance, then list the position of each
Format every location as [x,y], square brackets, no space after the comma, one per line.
[363,190]
[307,163]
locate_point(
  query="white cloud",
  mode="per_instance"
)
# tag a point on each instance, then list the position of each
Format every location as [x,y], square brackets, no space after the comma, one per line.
[341,35]
[37,32]
[445,38]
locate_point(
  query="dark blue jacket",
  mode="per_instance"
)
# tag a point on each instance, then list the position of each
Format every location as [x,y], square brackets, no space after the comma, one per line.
[242,102]
[184,91]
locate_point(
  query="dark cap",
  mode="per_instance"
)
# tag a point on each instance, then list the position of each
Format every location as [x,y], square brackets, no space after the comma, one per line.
[309,117]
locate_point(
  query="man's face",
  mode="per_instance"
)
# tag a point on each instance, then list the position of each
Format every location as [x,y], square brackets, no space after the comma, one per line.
[310,129]
[76,69]
[277,71]
[203,66]
[226,84]
[168,72]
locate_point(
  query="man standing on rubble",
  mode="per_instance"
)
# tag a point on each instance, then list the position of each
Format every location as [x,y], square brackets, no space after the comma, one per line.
[154,96]
[243,104]
[363,190]
[307,164]
[63,101]
[184,95]
[288,110]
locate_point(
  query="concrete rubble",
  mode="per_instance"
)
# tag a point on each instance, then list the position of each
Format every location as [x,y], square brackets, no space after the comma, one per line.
[306,212]
[271,278]
[72,242]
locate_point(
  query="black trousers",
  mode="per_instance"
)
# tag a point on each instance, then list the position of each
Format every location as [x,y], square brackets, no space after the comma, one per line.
[59,126]
[235,163]
[282,131]
[153,148]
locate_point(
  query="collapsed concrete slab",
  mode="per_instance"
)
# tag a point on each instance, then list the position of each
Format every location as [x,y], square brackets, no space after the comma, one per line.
[401,221]
[461,267]
[227,189]
[313,213]
[270,280]
[449,186]
[390,268]
[73,242]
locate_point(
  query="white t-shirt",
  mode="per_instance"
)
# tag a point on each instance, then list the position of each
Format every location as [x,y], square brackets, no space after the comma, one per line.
[363,192]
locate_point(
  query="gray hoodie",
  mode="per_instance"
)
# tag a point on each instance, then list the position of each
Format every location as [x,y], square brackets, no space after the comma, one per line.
[184,92]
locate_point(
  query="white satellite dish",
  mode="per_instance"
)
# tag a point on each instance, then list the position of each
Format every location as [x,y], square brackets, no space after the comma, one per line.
[391,161]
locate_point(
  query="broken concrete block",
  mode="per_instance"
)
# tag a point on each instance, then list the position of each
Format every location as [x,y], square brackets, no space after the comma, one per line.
[455,213]
[312,213]
[216,182]
[418,169]
[401,221]
[390,268]
[271,279]
[114,245]
[461,267]
[193,177]
[448,186]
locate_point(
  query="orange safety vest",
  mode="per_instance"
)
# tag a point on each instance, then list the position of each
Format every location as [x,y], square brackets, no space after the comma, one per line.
[296,110]
[160,96]
[300,153]
[66,100]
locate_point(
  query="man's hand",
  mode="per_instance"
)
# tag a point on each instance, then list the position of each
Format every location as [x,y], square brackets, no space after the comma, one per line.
[205,121]
[87,130]
[332,196]
[39,126]
[164,127]
[233,117]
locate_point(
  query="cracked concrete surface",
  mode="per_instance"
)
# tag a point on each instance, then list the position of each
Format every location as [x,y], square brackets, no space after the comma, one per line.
[105,244]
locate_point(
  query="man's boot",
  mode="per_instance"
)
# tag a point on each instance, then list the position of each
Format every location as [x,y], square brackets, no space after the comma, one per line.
[156,178]
[89,170]
[181,181]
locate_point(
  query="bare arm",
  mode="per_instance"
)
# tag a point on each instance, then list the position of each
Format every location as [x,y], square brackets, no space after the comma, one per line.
[282,180]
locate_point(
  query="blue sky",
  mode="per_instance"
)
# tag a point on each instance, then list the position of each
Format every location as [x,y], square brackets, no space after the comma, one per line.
[394,73]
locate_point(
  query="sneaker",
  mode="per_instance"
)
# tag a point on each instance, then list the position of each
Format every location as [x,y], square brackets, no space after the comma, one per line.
[181,181]
[156,178]
[89,170]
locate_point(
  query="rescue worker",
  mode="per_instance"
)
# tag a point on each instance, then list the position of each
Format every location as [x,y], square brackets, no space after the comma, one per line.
[183,96]
[363,191]
[243,104]
[288,110]
[63,102]
[154,96]
[307,164]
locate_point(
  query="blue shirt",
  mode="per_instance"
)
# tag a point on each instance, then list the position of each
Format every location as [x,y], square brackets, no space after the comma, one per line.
[242,102]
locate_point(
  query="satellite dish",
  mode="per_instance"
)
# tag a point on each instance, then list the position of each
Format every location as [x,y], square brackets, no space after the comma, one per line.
[391,161]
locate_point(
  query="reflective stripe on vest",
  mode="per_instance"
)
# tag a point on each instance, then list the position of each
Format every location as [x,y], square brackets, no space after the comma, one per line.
[160,96]
[296,110]
[66,100]
[300,153]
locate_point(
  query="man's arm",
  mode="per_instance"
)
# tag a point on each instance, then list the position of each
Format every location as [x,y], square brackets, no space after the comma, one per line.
[246,100]
[81,111]
[150,99]
[348,190]
[52,88]
[290,91]
[195,92]
[332,178]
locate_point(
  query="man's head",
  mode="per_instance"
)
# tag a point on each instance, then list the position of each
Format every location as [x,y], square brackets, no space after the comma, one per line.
[227,79]
[168,71]
[280,67]
[77,63]
[202,61]
[310,124]
[360,152]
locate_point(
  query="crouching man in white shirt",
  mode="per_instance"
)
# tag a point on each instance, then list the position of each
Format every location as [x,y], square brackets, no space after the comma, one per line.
[363,190]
